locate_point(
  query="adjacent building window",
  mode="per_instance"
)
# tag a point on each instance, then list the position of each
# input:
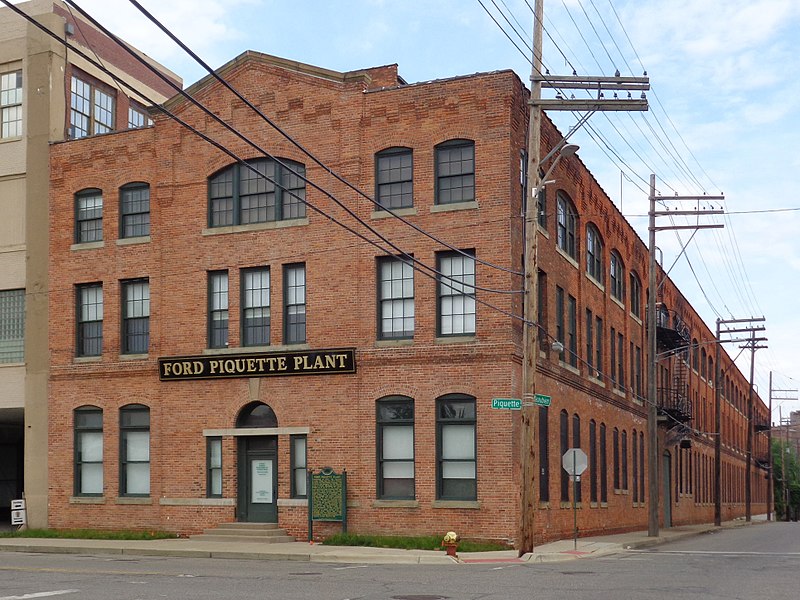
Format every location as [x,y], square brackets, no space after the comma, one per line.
[255,307]
[90,319]
[544,455]
[299,464]
[456,293]
[636,295]
[294,292]
[134,455]
[598,346]
[12,326]
[455,172]
[217,309]
[603,465]
[615,450]
[395,441]
[262,190]
[576,443]
[594,253]
[135,316]
[91,109]
[88,216]
[394,178]
[456,448]
[395,298]
[214,467]
[617,276]
[11,104]
[134,210]
[572,331]
[590,343]
[564,438]
[138,117]
[88,422]
[566,220]
[593,461]
[560,319]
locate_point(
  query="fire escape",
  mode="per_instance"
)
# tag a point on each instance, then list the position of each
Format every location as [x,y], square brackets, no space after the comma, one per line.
[672,390]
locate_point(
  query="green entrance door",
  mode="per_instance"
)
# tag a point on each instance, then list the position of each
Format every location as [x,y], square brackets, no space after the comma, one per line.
[258,479]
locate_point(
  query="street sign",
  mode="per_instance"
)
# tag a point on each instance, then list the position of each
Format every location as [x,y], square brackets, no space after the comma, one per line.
[574,461]
[541,400]
[507,403]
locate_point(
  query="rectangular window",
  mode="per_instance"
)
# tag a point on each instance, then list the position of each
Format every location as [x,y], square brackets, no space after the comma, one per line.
[394,178]
[91,109]
[456,449]
[134,210]
[88,451]
[217,309]
[299,464]
[636,296]
[255,307]
[455,172]
[214,467]
[294,294]
[635,465]
[593,461]
[624,456]
[456,293]
[395,298]
[620,362]
[615,450]
[11,104]
[134,422]
[576,443]
[135,316]
[560,319]
[544,455]
[603,465]
[564,438]
[12,326]
[395,437]
[138,117]
[572,331]
[613,356]
[590,343]
[598,346]
[88,216]
[541,302]
[89,319]
[638,372]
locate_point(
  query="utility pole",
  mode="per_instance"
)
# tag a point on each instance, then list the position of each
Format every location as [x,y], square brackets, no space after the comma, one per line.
[748,477]
[718,373]
[783,452]
[652,408]
[603,86]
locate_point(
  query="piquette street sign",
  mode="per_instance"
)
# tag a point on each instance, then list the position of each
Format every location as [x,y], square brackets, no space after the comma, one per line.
[257,364]
[507,403]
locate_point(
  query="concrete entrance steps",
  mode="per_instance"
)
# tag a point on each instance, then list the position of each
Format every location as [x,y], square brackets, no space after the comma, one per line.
[258,533]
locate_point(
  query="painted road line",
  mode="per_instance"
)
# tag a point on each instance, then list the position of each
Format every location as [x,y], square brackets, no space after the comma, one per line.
[39,595]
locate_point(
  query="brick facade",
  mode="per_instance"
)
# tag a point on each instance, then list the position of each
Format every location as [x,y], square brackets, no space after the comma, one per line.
[345,119]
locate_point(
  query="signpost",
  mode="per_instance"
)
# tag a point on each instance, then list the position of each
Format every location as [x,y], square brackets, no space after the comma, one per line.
[574,462]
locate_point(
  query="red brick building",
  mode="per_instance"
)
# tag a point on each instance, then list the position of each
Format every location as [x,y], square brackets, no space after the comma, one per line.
[217,333]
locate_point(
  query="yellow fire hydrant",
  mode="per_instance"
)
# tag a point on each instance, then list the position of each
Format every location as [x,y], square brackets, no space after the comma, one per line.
[450,542]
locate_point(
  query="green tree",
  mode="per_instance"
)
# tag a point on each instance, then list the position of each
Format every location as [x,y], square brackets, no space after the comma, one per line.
[786,475]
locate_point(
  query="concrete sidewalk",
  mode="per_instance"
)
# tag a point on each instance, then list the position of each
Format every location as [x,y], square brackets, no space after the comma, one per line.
[563,550]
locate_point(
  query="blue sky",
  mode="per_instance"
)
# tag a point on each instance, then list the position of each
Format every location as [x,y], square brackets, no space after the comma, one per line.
[724,111]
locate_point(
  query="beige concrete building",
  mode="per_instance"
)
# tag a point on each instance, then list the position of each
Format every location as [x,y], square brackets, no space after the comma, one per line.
[47,93]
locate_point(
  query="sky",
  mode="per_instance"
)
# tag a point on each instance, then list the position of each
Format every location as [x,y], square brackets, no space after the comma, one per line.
[723,118]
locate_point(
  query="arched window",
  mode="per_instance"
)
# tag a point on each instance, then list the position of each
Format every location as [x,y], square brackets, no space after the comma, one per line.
[703,363]
[617,276]
[564,435]
[134,425]
[262,190]
[256,414]
[695,356]
[394,438]
[594,253]
[455,171]
[636,295]
[394,178]
[566,221]
[88,216]
[456,448]
[134,210]
[88,474]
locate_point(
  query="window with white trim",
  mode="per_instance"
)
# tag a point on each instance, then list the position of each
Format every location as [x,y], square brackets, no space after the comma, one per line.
[395,298]
[456,448]
[11,104]
[395,441]
[456,293]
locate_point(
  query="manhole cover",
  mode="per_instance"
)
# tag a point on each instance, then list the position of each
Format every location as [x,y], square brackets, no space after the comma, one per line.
[418,597]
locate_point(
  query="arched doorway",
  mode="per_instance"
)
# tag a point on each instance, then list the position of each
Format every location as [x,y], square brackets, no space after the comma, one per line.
[257,497]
